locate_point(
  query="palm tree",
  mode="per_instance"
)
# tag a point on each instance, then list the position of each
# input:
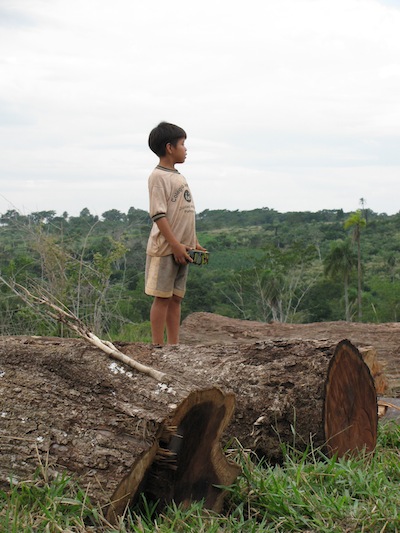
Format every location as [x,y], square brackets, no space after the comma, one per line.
[357,222]
[339,263]
[363,203]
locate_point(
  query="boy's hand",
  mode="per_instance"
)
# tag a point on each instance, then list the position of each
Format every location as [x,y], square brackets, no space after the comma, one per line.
[180,254]
[199,247]
[179,250]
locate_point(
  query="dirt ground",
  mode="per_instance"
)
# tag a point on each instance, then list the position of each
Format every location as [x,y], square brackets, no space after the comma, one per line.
[208,328]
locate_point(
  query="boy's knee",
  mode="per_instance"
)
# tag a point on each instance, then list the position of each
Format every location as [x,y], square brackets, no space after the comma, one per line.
[161,302]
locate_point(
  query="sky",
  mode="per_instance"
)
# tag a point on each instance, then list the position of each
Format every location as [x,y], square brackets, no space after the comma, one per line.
[292,105]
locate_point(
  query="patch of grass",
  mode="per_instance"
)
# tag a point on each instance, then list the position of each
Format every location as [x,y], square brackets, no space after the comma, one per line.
[310,492]
[140,332]
[307,493]
[42,506]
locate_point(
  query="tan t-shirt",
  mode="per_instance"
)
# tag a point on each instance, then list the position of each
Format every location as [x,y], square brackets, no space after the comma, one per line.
[170,197]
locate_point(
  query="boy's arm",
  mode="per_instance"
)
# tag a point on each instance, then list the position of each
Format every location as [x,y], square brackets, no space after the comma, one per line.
[179,250]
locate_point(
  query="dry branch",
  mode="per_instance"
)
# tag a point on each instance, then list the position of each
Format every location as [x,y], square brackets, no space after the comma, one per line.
[66,317]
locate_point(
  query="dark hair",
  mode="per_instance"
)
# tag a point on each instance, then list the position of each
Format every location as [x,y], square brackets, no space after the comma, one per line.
[163,134]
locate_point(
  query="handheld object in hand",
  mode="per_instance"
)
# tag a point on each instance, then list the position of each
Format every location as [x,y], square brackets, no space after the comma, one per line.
[199,257]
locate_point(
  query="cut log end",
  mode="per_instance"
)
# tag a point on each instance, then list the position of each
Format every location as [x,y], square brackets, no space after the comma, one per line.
[186,462]
[350,407]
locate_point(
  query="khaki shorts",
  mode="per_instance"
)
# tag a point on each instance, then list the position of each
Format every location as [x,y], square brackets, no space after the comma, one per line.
[164,277]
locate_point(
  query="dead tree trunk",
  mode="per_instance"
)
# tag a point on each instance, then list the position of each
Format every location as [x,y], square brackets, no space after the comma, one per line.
[124,433]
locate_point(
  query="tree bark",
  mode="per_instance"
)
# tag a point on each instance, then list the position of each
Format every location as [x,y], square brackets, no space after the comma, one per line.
[123,433]
[64,405]
[280,389]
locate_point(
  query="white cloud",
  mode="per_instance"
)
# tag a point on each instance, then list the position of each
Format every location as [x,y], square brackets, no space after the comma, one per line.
[290,95]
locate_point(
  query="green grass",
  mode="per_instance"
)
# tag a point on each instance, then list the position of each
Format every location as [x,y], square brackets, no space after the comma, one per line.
[307,493]
[39,505]
[133,332]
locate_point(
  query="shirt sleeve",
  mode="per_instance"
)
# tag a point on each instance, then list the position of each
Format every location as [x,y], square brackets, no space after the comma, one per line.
[158,200]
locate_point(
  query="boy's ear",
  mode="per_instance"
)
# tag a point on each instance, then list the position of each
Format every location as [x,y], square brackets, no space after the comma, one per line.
[168,148]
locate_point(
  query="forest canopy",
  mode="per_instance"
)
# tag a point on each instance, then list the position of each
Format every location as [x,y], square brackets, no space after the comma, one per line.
[264,265]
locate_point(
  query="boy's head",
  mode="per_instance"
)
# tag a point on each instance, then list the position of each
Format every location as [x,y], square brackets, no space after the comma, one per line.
[164,134]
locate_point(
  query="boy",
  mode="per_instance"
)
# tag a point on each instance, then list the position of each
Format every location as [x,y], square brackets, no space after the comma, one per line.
[173,233]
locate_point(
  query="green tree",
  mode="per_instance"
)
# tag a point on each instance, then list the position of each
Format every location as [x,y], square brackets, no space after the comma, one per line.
[42,217]
[357,223]
[391,265]
[383,300]
[339,263]
[276,285]
[113,215]
[10,216]
[86,217]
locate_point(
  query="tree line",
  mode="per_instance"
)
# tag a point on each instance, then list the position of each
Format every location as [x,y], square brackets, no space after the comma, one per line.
[264,265]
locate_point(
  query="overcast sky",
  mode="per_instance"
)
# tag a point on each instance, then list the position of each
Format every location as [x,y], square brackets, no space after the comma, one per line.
[288,104]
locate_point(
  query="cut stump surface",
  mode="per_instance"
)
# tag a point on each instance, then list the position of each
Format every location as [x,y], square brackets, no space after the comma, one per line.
[350,406]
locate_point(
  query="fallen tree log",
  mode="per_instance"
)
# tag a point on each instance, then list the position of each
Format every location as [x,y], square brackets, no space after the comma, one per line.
[288,391]
[66,407]
[123,433]
[378,343]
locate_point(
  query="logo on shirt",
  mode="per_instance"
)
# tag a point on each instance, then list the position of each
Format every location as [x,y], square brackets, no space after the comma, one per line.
[187,196]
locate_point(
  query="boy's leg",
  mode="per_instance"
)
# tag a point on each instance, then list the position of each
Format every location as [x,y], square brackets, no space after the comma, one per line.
[166,281]
[173,319]
[165,312]
[158,318]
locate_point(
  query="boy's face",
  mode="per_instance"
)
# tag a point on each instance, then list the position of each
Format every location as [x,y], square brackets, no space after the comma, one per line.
[179,151]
